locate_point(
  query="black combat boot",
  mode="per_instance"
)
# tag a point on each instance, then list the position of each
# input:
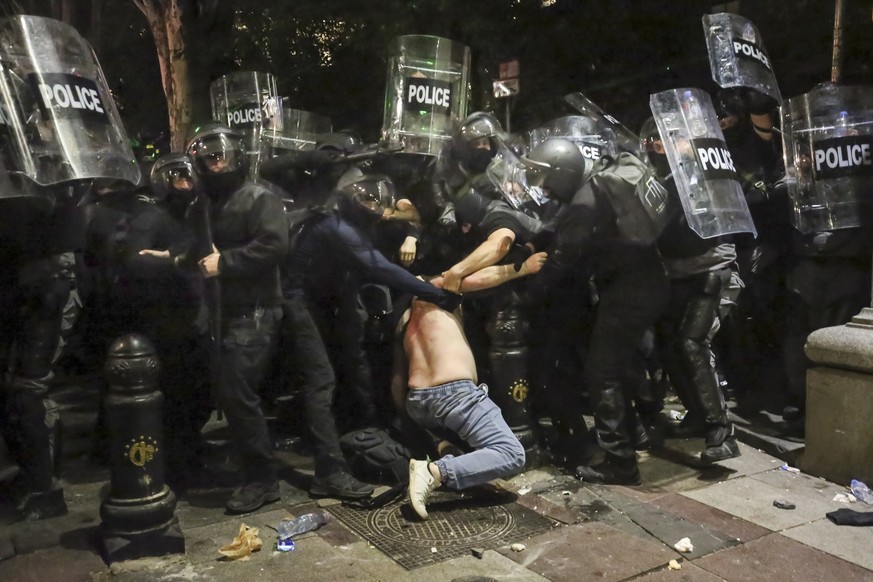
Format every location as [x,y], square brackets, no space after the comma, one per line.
[721,444]
[612,470]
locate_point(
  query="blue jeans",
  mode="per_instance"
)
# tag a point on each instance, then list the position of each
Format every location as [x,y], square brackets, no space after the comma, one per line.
[465,408]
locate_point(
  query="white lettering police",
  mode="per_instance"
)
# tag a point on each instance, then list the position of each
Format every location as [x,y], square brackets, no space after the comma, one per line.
[715,159]
[750,50]
[427,95]
[243,116]
[66,96]
[590,152]
[843,156]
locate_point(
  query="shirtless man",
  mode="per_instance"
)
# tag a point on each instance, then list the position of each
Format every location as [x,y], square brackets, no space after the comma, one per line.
[434,361]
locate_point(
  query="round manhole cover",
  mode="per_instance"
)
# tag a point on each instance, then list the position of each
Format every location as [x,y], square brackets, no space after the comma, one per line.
[458,525]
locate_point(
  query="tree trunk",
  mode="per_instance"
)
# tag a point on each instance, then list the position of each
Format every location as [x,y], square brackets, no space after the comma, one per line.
[165,21]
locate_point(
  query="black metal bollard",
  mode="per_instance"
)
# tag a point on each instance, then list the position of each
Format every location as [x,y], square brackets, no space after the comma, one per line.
[138,517]
[507,332]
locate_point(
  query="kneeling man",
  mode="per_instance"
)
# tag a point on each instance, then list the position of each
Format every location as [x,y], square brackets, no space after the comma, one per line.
[434,361]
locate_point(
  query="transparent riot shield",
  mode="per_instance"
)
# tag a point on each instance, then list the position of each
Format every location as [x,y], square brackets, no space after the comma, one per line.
[299,131]
[737,56]
[593,141]
[248,102]
[507,172]
[426,93]
[58,122]
[703,169]
[610,128]
[827,139]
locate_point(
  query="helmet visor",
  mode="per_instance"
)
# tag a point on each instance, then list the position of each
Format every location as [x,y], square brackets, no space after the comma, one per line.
[374,195]
[217,154]
[535,172]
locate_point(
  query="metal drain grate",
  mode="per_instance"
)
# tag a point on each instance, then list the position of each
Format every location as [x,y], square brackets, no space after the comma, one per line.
[458,522]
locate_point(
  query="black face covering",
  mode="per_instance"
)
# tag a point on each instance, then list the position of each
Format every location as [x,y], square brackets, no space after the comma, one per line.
[177,204]
[222,185]
[479,160]
[661,164]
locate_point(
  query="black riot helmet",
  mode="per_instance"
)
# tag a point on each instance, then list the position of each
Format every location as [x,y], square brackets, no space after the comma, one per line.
[476,141]
[557,166]
[172,175]
[219,157]
[344,142]
[366,195]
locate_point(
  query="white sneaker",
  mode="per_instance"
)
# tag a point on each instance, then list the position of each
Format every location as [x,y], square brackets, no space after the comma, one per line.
[421,483]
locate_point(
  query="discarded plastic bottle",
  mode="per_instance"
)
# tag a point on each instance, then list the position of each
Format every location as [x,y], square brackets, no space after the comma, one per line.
[693,114]
[861,491]
[301,524]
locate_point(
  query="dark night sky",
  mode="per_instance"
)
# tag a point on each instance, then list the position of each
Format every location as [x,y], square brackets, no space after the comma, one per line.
[616,52]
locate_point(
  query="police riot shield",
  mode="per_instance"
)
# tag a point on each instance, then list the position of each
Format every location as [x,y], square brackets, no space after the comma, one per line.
[621,138]
[299,131]
[593,141]
[426,93]
[58,122]
[248,102]
[703,169]
[827,139]
[737,56]
[507,172]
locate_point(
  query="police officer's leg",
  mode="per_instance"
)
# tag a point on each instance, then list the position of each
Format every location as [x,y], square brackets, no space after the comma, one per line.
[626,310]
[698,326]
[308,362]
[33,418]
[248,346]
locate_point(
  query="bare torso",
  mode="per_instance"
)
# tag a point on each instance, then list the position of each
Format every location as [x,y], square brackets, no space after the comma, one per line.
[436,348]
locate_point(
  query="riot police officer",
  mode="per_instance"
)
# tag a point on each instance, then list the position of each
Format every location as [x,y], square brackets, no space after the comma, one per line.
[700,272]
[331,255]
[250,240]
[631,285]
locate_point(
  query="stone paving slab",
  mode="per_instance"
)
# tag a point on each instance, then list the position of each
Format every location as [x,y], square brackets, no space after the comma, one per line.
[676,467]
[590,507]
[199,507]
[542,505]
[696,512]
[775,557]
[751,462]
[752,500]
[539,480]
[688,573]
[202,542]
[853,544]
[668,527]
[492,565]
[57,563]
[592,551]
[804,487]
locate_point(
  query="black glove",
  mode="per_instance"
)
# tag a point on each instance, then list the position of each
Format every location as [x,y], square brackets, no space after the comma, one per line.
[450,301]
[757,103]
[323,158]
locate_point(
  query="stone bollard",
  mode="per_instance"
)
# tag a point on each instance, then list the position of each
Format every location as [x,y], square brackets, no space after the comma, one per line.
[138,516]
[839,402]
[507,331]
